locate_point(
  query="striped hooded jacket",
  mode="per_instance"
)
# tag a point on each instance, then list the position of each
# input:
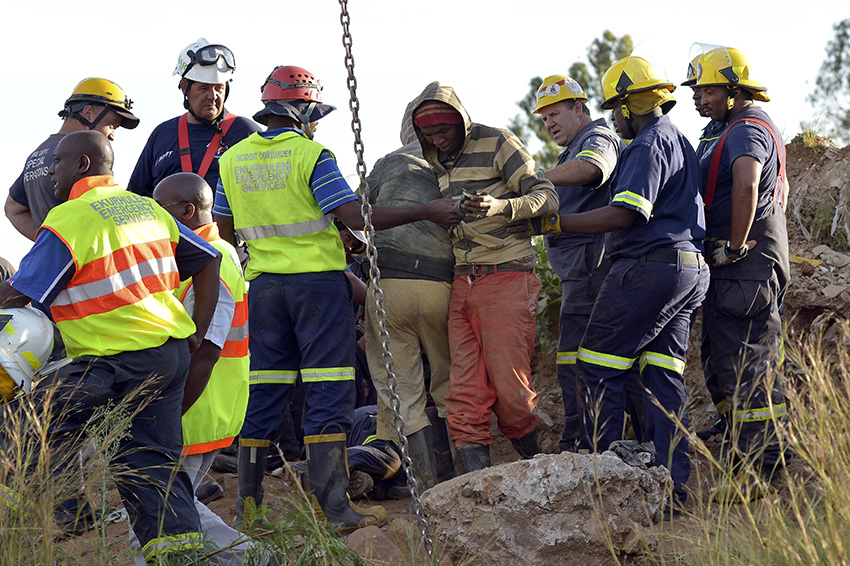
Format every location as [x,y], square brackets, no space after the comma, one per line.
[492,161]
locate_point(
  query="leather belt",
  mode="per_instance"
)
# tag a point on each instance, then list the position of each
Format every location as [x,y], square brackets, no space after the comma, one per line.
[479,269]
[666,255]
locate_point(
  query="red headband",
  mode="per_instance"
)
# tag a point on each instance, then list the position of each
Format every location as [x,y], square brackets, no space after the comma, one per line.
[435,113]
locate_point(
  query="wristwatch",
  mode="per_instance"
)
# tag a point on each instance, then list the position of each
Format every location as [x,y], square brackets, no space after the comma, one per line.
[739,253]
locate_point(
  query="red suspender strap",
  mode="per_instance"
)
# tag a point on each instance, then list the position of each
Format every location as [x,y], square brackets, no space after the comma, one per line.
[714,166]
[212,148]
[183,141]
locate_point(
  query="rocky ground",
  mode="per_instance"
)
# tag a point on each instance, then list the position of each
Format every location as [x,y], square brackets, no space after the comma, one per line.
[817,303]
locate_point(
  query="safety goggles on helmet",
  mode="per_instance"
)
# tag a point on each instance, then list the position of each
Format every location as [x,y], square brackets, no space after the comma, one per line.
[209,54]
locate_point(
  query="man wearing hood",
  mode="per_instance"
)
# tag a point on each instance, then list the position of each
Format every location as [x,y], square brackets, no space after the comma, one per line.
[278,191]
[416,263]
[193,142]
[495,290]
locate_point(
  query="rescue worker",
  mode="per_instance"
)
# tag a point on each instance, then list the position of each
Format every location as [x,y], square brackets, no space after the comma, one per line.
[494,291]
[216,393]
[194,142]
[96,104]
[658,276]
[128,253]
[299,297]
[416,263]
[745,188]
[583,179]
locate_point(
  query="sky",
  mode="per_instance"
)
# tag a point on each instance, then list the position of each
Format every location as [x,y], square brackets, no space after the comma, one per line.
[487,50]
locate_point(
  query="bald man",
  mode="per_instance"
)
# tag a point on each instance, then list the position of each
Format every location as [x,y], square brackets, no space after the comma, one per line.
[216,393]
[107,263]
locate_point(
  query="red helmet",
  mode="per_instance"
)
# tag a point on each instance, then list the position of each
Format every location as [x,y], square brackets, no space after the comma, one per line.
[291,83]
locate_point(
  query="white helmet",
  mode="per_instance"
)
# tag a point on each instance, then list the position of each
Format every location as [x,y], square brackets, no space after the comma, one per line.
[205,62]
[26,341]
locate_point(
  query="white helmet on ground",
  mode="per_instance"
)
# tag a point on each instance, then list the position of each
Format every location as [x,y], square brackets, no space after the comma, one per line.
[26,342]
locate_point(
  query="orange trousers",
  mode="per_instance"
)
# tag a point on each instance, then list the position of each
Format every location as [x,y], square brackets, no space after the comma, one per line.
[491,335]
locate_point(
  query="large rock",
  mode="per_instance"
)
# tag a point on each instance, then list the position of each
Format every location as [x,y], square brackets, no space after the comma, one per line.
[553,509]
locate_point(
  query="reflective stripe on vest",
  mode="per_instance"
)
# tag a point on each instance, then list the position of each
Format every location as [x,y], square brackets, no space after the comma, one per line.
[267,185]
[120,297]
[285,230]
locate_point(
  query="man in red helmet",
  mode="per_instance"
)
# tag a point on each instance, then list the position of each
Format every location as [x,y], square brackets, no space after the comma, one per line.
[278,190]
[95,104]
[193,142]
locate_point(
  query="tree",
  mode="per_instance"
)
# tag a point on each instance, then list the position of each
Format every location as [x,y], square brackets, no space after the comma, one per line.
[600,55]
[832,90]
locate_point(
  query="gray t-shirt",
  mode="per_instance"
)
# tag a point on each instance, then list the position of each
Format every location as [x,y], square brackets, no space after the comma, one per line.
[34,187]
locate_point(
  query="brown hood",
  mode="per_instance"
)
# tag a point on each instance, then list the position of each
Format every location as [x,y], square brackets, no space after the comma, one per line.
[440,93]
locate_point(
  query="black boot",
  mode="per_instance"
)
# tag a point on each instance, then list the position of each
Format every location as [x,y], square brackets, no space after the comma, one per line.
[328,465]
[444,466]
[716,428]
[419,447]
[251,467]
[527,446]
[474,456]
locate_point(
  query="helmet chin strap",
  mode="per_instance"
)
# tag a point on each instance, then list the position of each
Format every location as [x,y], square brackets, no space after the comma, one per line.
[304,118]
[91,125]
[730,102]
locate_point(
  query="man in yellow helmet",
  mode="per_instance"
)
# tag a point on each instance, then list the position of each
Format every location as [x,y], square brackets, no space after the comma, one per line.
[96,104]
[745,188]
[657,278]
[583,179]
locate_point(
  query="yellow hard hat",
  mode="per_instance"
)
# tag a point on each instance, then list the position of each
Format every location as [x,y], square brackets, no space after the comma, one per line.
[106,92]
[628,76]
[727,66]
[556,89]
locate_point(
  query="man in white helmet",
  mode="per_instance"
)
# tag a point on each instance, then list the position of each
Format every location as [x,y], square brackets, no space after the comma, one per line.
[193,142]
[95,104]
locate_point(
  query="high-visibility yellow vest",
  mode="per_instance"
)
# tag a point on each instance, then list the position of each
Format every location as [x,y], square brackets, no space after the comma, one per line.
[121,297]
[267,184]
[217,416]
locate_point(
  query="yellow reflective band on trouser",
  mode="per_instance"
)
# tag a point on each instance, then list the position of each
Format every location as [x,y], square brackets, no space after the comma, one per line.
[567,358]
[662,361]
[313,375]
[272,376]
[723,407]
[760,414]
[634,199]
[254,442]
[164,546]
[604,360]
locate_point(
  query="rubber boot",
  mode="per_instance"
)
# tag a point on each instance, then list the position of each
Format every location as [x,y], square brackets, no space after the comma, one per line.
[527,446]
[250,467]
[716,428]
[474,457]
[444,466]
[328,470]
[419,448]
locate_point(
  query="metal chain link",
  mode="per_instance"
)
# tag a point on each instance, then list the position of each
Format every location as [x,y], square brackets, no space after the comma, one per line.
[375,279]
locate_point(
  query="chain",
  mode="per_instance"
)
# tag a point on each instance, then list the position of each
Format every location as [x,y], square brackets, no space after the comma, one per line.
[375,279]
